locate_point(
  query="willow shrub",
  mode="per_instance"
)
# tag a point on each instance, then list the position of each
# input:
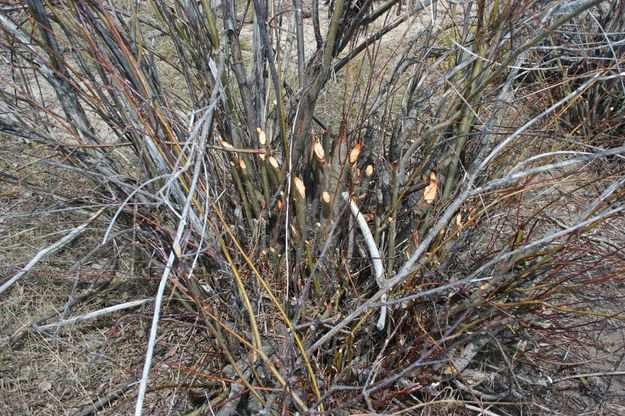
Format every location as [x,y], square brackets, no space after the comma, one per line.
[364,205]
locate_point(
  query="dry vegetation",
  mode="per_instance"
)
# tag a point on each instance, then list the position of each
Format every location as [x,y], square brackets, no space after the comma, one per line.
[366,207]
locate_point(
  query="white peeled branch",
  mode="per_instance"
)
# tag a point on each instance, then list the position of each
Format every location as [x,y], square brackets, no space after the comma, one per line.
[374,253]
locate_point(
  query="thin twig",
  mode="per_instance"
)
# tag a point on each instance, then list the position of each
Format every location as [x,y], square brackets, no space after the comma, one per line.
[235,150]
[587,375]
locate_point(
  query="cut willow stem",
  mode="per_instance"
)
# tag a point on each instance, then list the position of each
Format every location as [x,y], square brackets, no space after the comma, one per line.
[409,266]
[376,260]
[299,199]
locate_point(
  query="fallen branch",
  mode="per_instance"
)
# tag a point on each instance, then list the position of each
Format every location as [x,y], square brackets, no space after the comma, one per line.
[106,400]
[94,314]
[68,238]
[25,329]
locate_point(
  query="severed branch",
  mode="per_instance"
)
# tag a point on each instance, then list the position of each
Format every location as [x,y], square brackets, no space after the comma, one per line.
[376,259]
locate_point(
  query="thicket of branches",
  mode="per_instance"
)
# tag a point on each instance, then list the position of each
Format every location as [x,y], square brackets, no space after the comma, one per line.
[364,204]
